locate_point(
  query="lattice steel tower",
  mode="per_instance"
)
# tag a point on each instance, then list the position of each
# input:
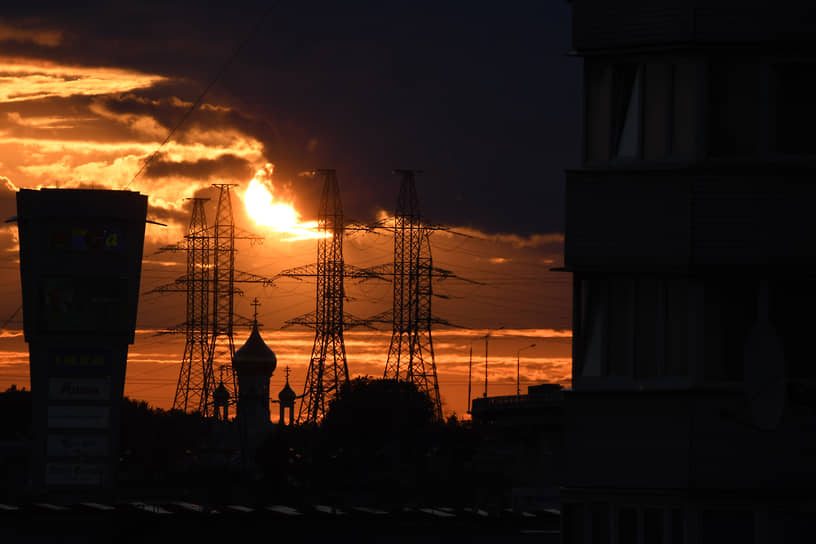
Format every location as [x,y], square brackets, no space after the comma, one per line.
[411,354]
[328,369]
[196,374]
[222,345]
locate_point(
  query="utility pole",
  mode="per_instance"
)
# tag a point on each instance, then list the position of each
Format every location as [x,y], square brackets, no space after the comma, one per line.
[470,368]
[486,337]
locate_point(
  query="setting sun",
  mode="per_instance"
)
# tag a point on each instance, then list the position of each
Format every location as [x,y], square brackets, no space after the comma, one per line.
[278,216]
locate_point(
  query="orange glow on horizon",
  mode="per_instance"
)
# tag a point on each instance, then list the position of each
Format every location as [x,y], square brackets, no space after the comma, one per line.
[279,216]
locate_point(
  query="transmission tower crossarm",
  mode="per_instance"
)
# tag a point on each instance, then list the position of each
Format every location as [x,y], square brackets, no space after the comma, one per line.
[450,230]
[181,328]
[373,228]
[241,234]
[382,317]
[446,323]
[179,285]
[353,272]
[442,274]
[298,272]
[350,321]
[313,271]
[178,246]
[307,320]
[247,277]
[379,271]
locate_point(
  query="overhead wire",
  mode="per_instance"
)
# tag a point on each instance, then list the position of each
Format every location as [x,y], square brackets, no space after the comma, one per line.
[222,70]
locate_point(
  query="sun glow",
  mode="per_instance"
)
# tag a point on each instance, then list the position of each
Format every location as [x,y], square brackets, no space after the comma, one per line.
[279,216]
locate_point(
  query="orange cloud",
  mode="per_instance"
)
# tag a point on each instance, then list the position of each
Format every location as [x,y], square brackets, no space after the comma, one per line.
[7,183]
[45,122]
[27,79]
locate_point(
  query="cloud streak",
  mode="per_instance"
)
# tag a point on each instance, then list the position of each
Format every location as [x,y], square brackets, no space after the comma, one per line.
[27,79]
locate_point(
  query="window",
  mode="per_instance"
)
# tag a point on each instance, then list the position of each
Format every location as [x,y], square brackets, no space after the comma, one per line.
[734,108]
[789,301]
[597,88]
[636,110]
[600,523]
[676,332]
[632,327]
[653,526]
[627,525]
[793,87]
[572,523]
[678,526]
[621,326]
[593,319]
[727,526]
[730,312]
[626,110]
[685,109]
[649,328]
[657,103]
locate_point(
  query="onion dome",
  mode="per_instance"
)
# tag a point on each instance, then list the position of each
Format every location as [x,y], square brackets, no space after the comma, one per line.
[287,395]
[254,357]
[221,395]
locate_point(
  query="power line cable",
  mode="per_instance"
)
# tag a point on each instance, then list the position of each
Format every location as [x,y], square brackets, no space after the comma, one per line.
[243,43]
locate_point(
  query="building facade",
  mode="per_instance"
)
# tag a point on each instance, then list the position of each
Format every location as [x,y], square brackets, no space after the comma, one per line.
[690,235]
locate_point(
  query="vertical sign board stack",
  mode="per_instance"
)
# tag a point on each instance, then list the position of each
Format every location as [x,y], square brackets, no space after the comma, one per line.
[80,265]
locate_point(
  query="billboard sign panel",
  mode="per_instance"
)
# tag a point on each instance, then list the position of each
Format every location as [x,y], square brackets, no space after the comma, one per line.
[78,417]
[75,474]
[74,444]
[79,389]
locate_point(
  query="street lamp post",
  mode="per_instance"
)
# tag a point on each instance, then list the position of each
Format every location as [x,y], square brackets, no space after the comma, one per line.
[486,336]
[470,368]
[518,368]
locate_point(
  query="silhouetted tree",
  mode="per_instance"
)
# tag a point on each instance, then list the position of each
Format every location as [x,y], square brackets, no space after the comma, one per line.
[155,443]
[15,413]
[379,443]
[378,437]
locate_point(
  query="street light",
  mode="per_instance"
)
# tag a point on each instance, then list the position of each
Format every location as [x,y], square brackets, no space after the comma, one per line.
[518,368]
[486,336]
[470,373]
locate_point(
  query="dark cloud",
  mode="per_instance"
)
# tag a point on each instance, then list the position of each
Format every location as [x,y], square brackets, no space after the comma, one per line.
[169,216]
[226,166]
[482,98]
[168,111]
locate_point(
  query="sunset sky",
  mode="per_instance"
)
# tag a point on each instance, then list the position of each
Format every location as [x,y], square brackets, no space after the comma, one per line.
[485,102]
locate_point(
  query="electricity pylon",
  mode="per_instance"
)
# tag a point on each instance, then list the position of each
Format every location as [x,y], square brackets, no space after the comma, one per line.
[328,368]
[410,353]
[195,374]
[222,345]
[210,286]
